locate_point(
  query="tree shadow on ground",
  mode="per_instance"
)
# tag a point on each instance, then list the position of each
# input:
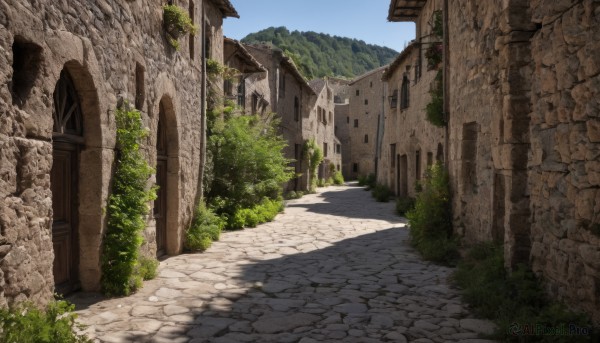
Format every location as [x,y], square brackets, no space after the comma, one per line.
[361,289]
[336,203]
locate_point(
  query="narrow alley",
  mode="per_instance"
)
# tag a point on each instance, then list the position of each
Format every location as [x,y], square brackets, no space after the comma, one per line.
[335,267]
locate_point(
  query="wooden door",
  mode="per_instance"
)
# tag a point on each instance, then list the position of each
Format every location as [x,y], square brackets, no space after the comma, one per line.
[67,141]
[160,204]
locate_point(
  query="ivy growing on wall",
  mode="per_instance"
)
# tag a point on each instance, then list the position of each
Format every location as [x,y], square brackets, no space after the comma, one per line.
[314,155]
[177,23]
[127,207]
[435,107]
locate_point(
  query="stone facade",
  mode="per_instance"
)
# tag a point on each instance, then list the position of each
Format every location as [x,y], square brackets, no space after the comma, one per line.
[321,127]
[342,132]
[290,97]
[410,143]
[90,56]
[366,112]
[522,84]
[238,88]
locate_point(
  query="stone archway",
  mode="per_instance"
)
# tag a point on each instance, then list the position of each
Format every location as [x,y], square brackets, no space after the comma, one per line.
[76,181]
[167,205]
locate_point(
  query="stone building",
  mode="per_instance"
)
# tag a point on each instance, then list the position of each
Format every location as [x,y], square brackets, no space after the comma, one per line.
[366,111]
[238,88]
[320,126]
[410,143]
[63,71]
[290,97]
[521,86]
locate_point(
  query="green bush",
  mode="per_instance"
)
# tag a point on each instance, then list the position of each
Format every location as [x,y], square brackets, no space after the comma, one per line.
[314,155]
[338,178]
[25,323]
[381,193]
[431,220]
[148,267]
[248,165]
[264,212]
[321,183]
[127,207]
[205,228]
[177,23]
[404,204]
[509,298]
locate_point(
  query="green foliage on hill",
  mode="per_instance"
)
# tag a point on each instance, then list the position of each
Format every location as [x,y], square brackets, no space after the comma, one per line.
[319,54]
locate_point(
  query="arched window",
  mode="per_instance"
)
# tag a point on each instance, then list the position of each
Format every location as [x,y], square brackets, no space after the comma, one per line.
[67,112]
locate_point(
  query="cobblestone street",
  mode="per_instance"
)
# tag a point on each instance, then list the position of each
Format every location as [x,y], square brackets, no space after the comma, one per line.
[335,267]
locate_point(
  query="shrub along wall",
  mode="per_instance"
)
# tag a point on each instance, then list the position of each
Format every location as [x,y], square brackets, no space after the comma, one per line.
[127,207]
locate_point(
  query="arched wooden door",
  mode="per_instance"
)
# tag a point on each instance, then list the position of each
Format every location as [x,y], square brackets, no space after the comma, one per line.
[160,204]
[67,140]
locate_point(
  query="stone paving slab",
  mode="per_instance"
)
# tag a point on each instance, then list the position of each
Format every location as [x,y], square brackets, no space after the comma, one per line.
[335,267]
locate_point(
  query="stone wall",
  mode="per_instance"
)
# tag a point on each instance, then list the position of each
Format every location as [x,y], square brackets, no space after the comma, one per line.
[111,51]
[475,108]
[366,109]
[321,126]
[342,128]
[564,160]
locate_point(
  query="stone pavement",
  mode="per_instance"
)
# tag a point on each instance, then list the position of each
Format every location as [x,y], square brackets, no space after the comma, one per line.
[335,267]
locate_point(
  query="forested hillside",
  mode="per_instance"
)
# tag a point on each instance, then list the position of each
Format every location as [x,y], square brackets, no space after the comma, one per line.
[319,54]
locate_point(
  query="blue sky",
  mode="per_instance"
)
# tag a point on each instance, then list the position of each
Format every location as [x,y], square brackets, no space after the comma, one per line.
[360,19]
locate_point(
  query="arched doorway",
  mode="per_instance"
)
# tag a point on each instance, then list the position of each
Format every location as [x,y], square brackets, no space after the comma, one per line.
[67,142]
[160,204]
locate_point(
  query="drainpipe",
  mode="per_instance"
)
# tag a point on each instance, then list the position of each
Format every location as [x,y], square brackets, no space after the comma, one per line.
[446,83]
[200,186]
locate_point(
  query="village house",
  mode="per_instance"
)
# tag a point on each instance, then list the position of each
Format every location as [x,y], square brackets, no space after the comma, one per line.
[521,90]
[289,96]
[321,128]
[236,86]
[410,142]
[64,72]
[365,120]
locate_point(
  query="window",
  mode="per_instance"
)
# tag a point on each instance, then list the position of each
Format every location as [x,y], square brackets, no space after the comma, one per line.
[254,103]
[357,92]
[228,87]
[281,84]
[366,138]
[338,167]
[324,149]
[319,114]
[355,167]
[429,158]
[207,42]
[140,92]
[393,155]
[241,96]
[366,101]
[347,120]
[371,85]
[355,122]
[27,62]
[404,101]
[338,149]
[394,99]
[296,109]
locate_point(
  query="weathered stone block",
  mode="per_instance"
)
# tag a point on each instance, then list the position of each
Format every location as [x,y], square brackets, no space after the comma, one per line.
[593,130]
